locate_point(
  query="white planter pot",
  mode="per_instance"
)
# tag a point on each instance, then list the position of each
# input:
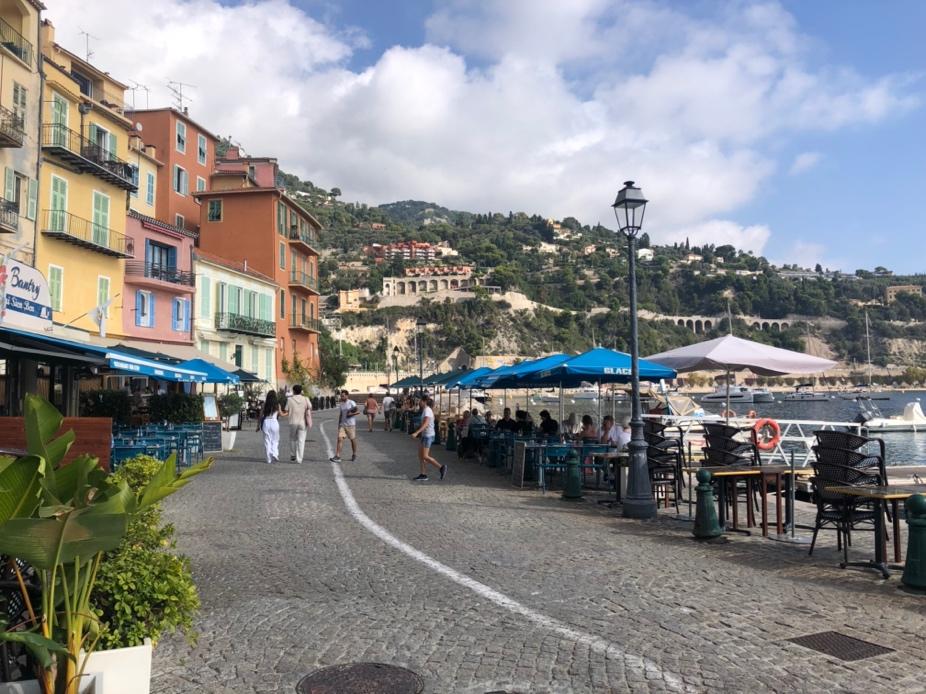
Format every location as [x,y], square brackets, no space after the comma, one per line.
[92,684]
[228,440]
[122,670]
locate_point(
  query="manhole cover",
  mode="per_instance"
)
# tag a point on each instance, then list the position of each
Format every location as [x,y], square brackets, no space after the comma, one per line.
[361,678]
[840,646]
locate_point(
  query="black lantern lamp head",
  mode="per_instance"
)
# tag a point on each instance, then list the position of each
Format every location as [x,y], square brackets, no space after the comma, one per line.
[629,207]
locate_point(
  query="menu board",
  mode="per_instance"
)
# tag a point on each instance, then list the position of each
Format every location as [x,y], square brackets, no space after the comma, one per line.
[212,437]
[517,464]
[210,407]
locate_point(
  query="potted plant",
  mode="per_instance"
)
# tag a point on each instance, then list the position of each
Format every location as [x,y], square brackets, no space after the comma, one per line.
[60,519]
[230,405]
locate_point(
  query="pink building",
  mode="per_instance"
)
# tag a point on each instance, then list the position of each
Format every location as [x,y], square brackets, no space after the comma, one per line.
[159,283]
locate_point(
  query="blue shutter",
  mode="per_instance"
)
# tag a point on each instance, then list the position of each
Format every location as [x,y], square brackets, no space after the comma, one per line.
[138,301]
[148,252]
[173,314]
[151,310]
[187,305]
[172,258]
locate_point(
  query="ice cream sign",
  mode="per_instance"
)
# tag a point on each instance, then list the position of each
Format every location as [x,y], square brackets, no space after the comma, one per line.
[25,301]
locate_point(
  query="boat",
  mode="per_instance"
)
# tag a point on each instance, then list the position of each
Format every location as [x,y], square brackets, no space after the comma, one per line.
[805,393]
[738,394]
[862,392]
[912,418]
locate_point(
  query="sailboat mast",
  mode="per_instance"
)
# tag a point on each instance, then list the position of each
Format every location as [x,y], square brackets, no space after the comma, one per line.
[868,347]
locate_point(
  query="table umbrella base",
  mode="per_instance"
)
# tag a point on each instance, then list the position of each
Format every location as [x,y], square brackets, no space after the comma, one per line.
[790,539]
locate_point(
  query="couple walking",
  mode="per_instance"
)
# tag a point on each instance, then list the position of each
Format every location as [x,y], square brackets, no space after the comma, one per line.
[299,411]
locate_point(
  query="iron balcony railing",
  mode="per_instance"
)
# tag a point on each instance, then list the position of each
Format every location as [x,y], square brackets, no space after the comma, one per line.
[301,279]
[308,238]
[237,323]
[12,128]
[156,271]
[15,42]
[87,156]
[9,216]
[82,232]
[304,323]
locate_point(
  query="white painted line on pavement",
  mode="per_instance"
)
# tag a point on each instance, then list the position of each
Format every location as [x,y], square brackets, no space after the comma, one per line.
[596,643]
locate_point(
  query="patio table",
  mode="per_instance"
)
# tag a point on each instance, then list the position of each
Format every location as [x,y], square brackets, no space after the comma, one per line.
[881,494]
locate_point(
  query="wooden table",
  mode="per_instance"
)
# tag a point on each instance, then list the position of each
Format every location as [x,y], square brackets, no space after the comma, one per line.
[881,494]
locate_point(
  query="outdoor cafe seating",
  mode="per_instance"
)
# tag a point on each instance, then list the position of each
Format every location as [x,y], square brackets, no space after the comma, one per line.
[159,441]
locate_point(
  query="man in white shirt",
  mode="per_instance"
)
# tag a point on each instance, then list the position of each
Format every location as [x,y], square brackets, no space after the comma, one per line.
[300,421]
[347,426]
[388,410]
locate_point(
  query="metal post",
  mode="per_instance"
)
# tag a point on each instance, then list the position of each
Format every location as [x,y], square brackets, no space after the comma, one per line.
[639,502]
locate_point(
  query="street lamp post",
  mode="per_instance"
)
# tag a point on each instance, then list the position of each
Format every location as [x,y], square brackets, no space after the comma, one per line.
[395,363]
[419,326]
[629,208]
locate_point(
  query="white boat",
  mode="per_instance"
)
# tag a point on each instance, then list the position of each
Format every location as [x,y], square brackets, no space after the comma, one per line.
[912,418]
[805,393]
[739,394]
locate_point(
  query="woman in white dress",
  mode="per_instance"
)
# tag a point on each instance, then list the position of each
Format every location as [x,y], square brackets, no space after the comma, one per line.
[270,426]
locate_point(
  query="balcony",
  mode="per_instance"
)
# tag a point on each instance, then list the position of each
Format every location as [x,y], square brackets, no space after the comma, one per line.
[162,273]
[86,156]
[9,217]
[236,323]
[303,281]
[305,239]
[59,224]
[12,130]
[303,323]
[15,43]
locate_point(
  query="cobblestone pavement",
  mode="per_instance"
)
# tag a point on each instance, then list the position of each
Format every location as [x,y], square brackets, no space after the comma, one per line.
[291,582]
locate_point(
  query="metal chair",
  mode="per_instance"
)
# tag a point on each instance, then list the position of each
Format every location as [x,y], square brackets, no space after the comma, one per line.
[841,512]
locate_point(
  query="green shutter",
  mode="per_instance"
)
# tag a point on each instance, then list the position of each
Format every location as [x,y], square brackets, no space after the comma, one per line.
[32,207]
[54,287]
[233,293]
[59,197]
[112,145]
[204,297]
[9,185]
[264,310]
[100,219]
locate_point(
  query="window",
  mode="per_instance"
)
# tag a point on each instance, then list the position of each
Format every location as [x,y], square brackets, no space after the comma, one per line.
[264,308]
[180,315]
[180,221]
[104,141]
[144,309]
[223,351]
[134,179]
[100,219]
[57,216]
[181,137]
[102,293]
[253,359]
[214,211]
[159,256]
[204,346]
[149,189]
[281,218]
[83,82]
[55,286]
[282,255]
[181,180]
[268,366]
[292,313]
[19,104]
[200,183]
[205,297]
[202,149]
[14,184]
[234,294]
[239,356]
[282,303]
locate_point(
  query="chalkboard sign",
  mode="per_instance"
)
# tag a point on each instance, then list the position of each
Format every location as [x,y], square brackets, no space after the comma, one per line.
[212,437]
[517,464]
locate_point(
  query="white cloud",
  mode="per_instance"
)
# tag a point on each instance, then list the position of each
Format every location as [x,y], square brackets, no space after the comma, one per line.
[542,106]
[804,162]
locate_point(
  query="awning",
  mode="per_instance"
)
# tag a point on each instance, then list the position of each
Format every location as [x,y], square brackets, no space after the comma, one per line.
[247,376]
[213,373]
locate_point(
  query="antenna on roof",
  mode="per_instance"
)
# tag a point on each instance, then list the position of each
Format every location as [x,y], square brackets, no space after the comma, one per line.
[138,86]
[87,36]
[176,88]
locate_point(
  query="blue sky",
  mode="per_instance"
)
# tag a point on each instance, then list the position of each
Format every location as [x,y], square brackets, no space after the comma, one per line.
[792,128]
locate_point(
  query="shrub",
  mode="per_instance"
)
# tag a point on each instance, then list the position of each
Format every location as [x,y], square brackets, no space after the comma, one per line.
[144,589]
[230,404]
[106,403]
[176,408]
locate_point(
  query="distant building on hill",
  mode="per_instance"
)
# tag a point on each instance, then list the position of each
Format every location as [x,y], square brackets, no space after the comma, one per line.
[433,270]
[645,254]
[349,300]
[890,293]
[426,280]
[404,250]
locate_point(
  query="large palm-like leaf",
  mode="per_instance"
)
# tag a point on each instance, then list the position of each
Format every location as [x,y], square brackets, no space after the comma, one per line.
[70,483]
[46,542]
[166,481]
[40,647]
[20,486]
[42,422]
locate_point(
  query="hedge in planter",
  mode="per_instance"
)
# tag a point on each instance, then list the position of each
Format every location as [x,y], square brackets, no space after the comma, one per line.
[143,588]
[176,408]
[106,403]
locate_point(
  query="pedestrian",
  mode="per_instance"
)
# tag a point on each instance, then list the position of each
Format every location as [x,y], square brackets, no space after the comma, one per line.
[347,426]
[370,408]
[388,411]
[270,426]
[426,432]
[300,421]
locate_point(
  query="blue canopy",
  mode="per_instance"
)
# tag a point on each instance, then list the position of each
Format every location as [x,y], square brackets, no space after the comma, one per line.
[523,374]
[213,373]
[599,365]
[466,380]
[489,380]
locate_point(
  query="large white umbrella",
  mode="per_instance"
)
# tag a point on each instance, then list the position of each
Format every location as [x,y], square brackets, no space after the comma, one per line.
[732,353]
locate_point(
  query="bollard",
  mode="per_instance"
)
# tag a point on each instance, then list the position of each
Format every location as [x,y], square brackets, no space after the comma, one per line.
[706,526]
[451,437]
[914,570]
[573,488]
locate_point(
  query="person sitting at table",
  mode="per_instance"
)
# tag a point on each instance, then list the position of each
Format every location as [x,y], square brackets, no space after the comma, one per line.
[525,427]
[613,434]
[477,419]
[549,427]
[506,423]
[588,433]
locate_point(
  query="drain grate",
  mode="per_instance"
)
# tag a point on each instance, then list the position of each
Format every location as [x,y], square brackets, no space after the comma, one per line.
[840,646]
[361,678]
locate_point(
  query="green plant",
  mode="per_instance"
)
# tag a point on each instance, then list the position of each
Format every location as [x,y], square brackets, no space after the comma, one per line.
[106,403]
[230,404]
[176,408]
[61,519]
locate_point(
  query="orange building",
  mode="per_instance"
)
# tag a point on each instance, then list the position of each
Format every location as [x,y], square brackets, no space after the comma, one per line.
[245,217]
[188,153]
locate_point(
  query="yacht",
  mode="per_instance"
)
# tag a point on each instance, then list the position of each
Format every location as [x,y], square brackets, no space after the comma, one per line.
[739,394]
[805,393]
[912,418]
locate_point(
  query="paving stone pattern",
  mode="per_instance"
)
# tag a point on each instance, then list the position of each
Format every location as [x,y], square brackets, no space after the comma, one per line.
[290,582]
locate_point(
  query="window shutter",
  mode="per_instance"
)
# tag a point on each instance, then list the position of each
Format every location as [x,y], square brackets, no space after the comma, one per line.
[9,185]
[172,258]
[112,145]
[139,318]
[175,304]
[147,251]
[149,196]
[151,310]
[221,297]
[32,207]
[204,297]
[233,300]
[185,182]
[187,306]
[92,133]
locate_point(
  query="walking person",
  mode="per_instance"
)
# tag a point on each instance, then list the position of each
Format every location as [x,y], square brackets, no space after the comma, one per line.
[270,426]
[300,421]
[388,411]
[347,426]
[370,408]
[426,432]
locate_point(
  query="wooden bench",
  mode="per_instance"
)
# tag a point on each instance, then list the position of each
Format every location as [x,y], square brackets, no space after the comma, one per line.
[94,436]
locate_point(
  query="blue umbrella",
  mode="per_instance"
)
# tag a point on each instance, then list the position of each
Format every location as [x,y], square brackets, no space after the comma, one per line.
[599,365]
[523,374]
[464,380]
[213,373]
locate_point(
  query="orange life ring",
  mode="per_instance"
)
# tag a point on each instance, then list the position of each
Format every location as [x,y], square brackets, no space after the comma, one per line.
[767,433]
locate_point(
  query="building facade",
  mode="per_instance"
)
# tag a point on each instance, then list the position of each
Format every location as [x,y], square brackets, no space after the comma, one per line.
[234,314]
[82,245]
[401,286]
[20,105]
[247,219]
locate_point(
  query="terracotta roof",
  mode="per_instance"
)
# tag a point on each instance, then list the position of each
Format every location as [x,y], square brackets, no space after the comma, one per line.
[233,265]
[179,114]
[163,225]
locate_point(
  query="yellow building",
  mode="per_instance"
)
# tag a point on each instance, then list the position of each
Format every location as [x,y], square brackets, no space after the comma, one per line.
[20,99]
[86,180]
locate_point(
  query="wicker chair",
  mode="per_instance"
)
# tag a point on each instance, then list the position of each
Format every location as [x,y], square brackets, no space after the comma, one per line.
[849,441]
[841,512]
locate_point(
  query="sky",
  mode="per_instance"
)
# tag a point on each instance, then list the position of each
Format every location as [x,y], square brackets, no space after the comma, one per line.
[792,129]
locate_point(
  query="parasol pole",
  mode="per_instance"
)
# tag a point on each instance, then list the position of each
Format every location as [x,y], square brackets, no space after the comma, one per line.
[727,413]
[599,405]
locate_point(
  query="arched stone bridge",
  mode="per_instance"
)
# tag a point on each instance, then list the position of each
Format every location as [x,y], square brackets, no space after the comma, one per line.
[701,324]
